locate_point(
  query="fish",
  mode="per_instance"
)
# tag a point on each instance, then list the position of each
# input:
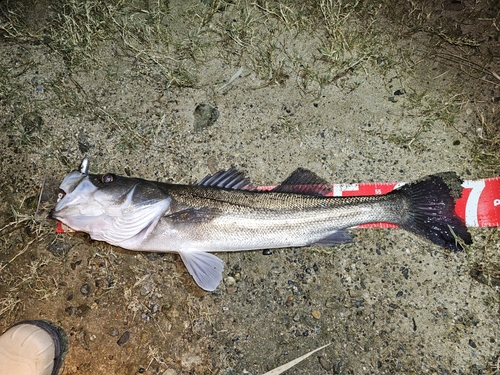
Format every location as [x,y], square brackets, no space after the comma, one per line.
[225,212]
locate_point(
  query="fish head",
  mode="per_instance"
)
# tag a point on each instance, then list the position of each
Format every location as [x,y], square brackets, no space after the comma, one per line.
[110,208]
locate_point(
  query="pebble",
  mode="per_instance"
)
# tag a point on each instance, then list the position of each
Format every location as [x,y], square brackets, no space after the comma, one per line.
[325,363]
[114,332]
[332,303]
[58,248]
[101,283]
[405,271]
[123,338]
[84,144]
[85,289]
[31,122]
[316,314]
[78,311]
[146,288]
[154,307]
[229,281]
[204,116]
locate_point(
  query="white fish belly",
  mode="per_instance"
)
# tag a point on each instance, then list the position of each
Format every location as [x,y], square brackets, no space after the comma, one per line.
[229,232]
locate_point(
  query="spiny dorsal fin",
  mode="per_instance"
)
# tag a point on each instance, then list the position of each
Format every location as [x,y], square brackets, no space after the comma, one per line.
[303,181]
[230,179]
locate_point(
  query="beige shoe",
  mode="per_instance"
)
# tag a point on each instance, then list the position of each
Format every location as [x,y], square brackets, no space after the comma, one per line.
[32,347]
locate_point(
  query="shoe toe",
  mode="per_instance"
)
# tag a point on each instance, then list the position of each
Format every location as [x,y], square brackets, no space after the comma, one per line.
[32,348]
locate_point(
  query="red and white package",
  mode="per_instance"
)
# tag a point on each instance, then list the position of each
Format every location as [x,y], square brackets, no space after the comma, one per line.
[479,205]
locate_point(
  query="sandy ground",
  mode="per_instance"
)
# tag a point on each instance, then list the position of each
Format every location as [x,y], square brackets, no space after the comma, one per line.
[389,303]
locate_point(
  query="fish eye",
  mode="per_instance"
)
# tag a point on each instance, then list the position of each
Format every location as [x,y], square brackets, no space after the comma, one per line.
[60,195]
[107,178]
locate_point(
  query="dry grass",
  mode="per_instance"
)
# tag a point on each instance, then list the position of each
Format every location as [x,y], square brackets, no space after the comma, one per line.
[343,38]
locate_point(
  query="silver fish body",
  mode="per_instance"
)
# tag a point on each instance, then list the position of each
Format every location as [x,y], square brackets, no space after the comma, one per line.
[225,212]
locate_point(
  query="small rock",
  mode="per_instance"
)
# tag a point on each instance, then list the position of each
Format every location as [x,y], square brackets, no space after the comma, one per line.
[58,248]
[31,122]
[84,144]
[78,311]
[231,289]
[85,289]
[74,264]
[325,363]
[101,283]
[154,307]
[71,310]
[146,288]
[114,332]
[316,314]
[229,281]
[83,339]
[359,303]
[204,116]
[123,338]
[331,303]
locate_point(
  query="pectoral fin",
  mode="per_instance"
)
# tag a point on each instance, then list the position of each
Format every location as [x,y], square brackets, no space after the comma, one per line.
[205,268]
[129,229]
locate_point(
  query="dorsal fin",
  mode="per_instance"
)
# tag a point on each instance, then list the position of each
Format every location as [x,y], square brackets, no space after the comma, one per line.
[303,181]
[230,179]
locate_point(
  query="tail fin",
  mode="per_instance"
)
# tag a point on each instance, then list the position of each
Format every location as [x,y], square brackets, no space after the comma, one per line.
[432,210]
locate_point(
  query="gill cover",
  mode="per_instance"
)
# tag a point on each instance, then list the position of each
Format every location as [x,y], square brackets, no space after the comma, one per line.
[108,211]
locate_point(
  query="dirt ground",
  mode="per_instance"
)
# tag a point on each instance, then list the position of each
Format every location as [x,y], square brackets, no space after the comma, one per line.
[173,91]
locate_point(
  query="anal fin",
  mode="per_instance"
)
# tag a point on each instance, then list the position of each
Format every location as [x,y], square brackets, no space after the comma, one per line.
[205,268]
[337,237]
